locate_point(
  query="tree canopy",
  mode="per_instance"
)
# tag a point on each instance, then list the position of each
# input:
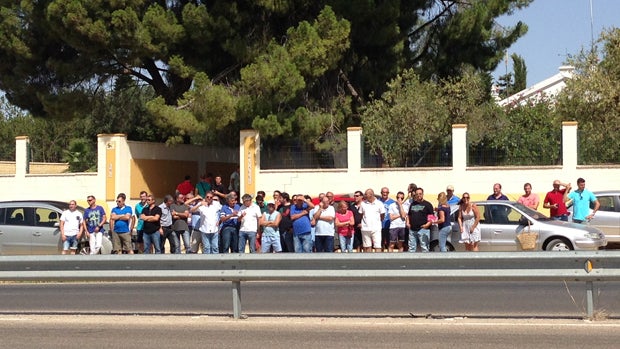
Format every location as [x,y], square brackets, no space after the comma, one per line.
[294,68]
[592,98]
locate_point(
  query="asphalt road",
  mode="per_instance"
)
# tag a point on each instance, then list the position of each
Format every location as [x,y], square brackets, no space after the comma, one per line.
[85,331]
[314,299]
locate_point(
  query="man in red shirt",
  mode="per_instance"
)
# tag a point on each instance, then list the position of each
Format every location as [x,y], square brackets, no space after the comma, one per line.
[554,201]
[186,186]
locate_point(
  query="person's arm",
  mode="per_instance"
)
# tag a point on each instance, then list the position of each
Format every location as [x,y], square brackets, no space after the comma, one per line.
[536,202]
[62,229]
[476,216]
[302,213]
[547,202]
[566,192]
[276,222]
[80,230]
[262,222]
[460,220]
[441,216]
[597,205]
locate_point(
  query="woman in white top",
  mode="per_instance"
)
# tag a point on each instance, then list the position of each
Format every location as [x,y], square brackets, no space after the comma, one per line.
[469,220]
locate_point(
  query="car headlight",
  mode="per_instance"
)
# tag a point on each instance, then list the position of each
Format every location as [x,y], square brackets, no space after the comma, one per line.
[595,236]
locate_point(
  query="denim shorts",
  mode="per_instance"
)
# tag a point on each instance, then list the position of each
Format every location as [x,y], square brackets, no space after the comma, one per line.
[70,243]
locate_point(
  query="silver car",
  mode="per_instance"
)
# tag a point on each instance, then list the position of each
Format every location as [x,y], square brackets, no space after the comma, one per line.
[607,218]
[501,221]
[32,227]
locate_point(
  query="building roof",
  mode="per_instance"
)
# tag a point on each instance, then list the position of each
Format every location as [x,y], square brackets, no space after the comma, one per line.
[549,88]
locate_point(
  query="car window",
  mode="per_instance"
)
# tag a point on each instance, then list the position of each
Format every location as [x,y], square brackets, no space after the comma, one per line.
[607,203]
[500,214]
[45,217]
[19,216]
[2,214]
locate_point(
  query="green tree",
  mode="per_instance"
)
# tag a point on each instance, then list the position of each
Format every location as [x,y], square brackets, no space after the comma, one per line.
[529,134]
[520,69]
[55,56]
[515,81]
[414,117]
[592,98]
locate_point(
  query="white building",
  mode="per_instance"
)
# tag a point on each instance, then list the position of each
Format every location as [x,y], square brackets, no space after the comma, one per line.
[548,88]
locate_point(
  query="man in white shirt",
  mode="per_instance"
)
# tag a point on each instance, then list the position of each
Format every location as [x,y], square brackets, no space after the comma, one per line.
[323,219]
[209,222]
[373,212]
[249,215]
[71,228]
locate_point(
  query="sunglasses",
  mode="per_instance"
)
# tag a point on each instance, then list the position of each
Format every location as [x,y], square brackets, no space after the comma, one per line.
[465,197]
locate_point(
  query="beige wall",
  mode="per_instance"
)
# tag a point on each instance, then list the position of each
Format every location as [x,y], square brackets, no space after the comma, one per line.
[478,181]
[123,166]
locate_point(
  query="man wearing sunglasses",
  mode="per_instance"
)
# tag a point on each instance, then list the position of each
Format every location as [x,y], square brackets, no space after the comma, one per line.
[581,199]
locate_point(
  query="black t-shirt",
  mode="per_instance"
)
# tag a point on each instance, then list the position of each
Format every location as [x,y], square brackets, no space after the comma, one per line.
[220,188]
[357,216]
[151,227]
[285,222]
[418,213]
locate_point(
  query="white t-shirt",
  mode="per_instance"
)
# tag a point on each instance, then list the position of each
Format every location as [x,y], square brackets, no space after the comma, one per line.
[249,222]
[371,215]
[399,222]
[210,217]
[72,220]
[325,228]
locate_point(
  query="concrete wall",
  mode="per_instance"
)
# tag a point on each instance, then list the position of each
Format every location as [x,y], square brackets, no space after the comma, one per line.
[478,181]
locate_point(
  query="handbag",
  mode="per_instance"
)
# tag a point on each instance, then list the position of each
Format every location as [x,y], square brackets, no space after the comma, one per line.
[527,239]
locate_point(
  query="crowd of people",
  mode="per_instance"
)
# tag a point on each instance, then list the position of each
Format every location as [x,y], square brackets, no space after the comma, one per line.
[214,219]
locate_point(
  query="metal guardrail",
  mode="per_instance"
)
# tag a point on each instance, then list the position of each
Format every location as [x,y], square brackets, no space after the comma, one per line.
[584,266]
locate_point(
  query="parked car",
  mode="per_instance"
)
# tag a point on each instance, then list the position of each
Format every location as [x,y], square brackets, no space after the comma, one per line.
[607,218]
[32,227]
[501,221]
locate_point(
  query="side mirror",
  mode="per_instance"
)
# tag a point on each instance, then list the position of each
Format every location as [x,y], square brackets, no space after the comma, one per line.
[524,221]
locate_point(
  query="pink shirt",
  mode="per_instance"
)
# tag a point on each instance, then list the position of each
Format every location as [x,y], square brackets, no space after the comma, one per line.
[529,201]
[341,218]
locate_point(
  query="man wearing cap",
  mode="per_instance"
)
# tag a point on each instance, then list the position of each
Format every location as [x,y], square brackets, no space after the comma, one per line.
[269,222]
[452,199]
[555,201]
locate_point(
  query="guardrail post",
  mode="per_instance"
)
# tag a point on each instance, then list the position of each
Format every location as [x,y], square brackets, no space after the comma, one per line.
[589,300]
[236,293]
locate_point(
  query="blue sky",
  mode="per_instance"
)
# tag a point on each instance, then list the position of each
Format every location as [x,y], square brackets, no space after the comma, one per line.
[557,28]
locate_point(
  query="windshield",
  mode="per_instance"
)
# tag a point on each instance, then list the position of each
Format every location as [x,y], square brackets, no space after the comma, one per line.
[530,212]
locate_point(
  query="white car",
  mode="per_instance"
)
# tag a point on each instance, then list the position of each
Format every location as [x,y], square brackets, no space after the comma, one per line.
[501,221]
[32,227]
[607,218]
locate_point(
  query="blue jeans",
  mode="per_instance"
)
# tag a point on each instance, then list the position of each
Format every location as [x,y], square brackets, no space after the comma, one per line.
[172,238]
[210,243]
[560,218]
[229,239]
[183,234]
[303,242]
[324,243]
[152,239]
[443,237]
[250,238]
[346,243]
[422,236]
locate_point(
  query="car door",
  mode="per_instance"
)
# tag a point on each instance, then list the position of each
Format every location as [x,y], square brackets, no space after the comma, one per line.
[16,231]
[486,235]
[608,217]
[46,232]
[502,227]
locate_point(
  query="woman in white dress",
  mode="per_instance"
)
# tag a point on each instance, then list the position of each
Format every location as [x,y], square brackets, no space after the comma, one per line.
[469,219]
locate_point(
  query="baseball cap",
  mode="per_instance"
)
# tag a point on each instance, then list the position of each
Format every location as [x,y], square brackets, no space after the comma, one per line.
[450,187]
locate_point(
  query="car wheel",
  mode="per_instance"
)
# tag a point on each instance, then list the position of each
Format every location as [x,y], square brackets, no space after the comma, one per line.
[559,245]
[434,246]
